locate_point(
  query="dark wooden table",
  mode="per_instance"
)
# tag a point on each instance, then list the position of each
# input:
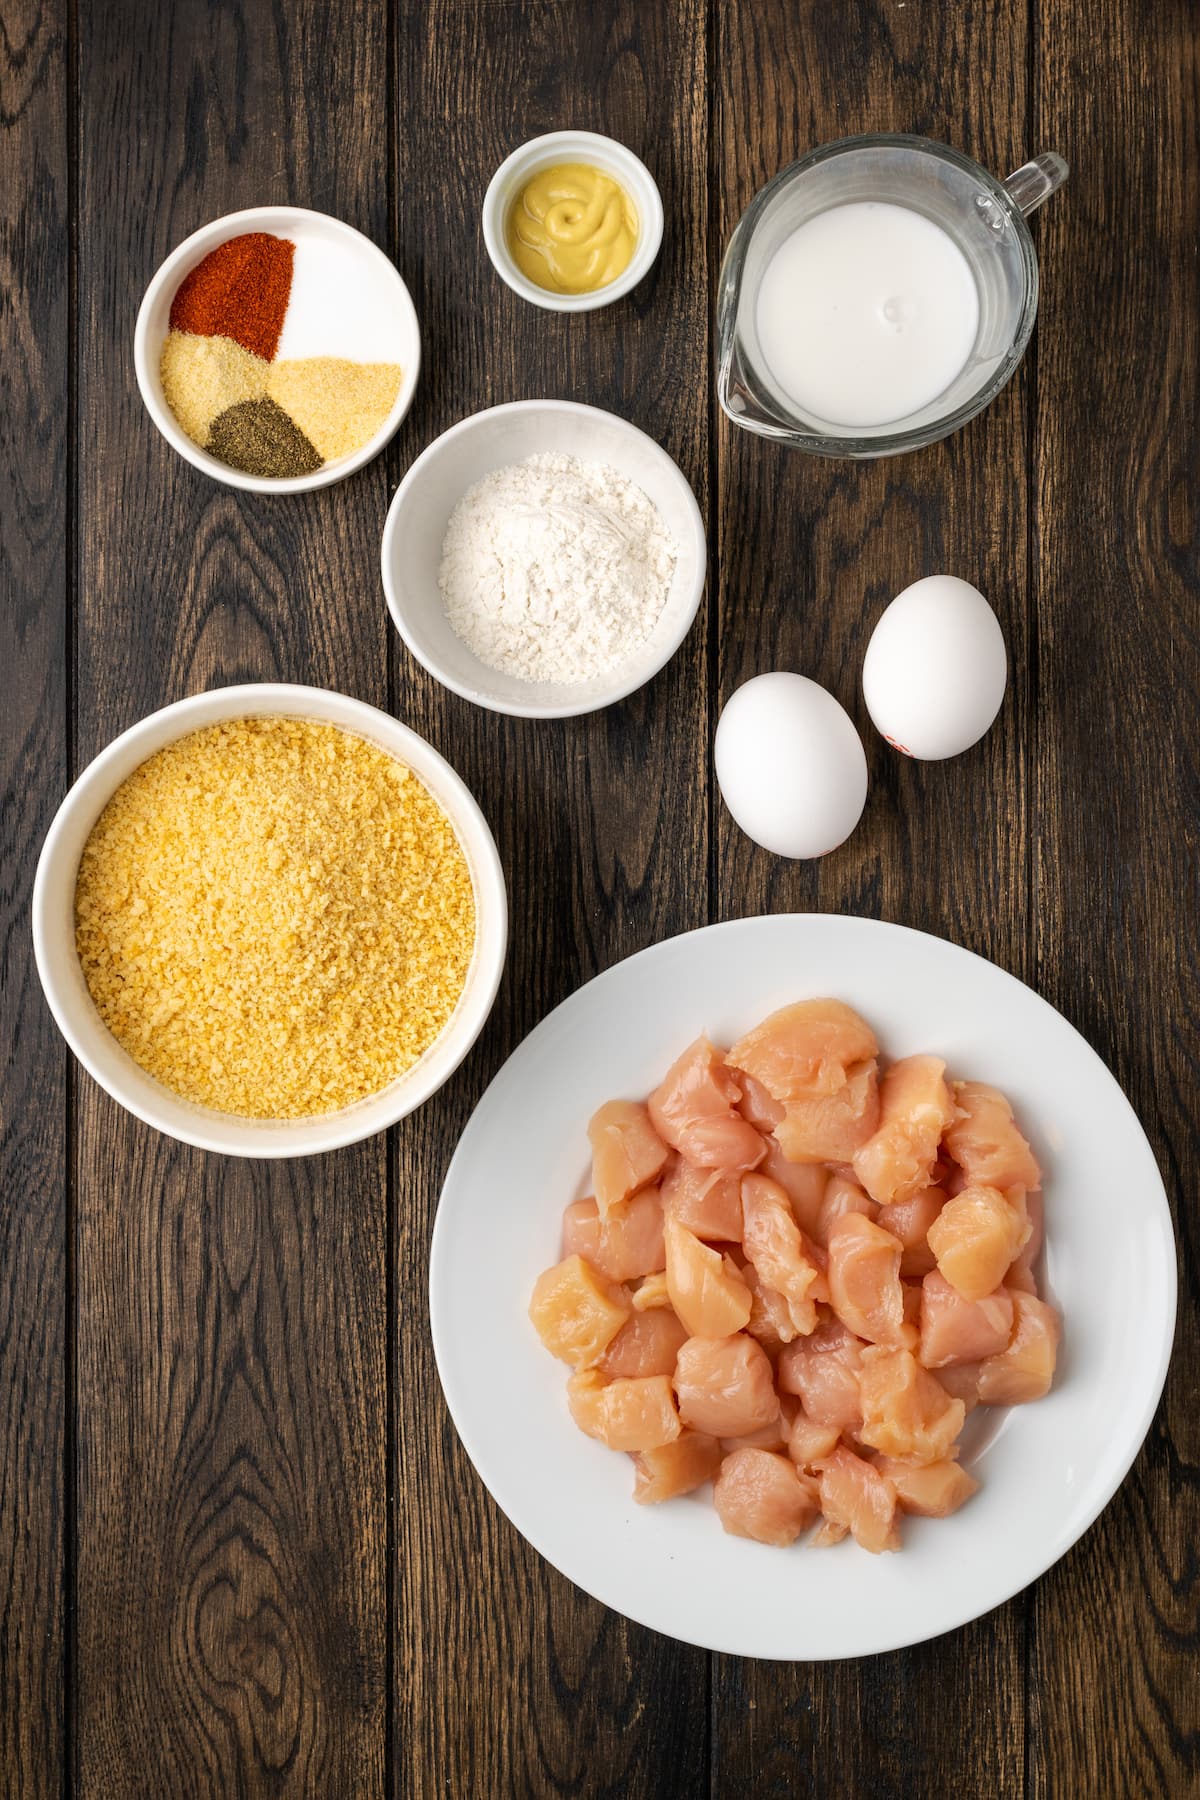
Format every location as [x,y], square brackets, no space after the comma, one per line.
[241,1551]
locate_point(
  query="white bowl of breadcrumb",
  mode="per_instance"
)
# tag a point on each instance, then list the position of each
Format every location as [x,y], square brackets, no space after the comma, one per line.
[270,920]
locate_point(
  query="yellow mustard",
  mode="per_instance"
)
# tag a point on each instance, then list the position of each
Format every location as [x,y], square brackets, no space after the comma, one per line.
[572,229]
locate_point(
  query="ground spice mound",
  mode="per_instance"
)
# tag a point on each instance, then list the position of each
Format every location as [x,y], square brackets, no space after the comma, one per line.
[339,405]
[274,917]
[203,376]
[259,437]
[239,290]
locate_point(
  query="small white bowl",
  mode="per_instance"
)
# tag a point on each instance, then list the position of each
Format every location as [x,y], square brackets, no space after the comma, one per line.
[416,526]
[75,1011]
[299,224]
[612,159]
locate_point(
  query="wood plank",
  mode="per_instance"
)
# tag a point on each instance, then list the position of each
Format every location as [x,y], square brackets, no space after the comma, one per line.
[232,1316]
[1114,1696]
[509,1680]
[810,554]
[35,473]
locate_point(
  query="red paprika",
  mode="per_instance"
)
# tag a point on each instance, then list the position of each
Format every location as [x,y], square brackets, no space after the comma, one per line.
[240,290]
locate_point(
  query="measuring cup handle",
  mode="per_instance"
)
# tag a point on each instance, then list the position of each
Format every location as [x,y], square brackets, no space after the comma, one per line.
[1035,181]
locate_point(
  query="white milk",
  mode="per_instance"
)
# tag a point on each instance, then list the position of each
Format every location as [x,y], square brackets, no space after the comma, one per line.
[867,313]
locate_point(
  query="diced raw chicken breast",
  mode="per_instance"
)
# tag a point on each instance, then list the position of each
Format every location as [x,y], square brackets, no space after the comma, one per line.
[1021,1274]
[675,1468]
[627,1152]
[707,1201]
[625,1415]
[984,1140]
[1025,1370]
[577,1311]
[954,1330]
[647,1344]
[725,1386]
[842,1195]
[906,1411]
[915,1107]
[909,1220]
[805,1049]
[827,1534]
[831,1127]
[706,1288]
[775,1245]
[809,1441]
[822,1370]
[856,1497]
[770,1322]
[761,1495]
[864,1281]
[933,1490]
[803,1183]
[626,1244]
[693,1110]
[961,1382]
[975,1237]
[651,1293]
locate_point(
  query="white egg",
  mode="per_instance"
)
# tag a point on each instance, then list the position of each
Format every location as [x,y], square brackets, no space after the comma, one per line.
[935,670]
[790,765]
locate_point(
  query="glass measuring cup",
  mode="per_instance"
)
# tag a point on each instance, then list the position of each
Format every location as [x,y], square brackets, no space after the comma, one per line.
[983,216]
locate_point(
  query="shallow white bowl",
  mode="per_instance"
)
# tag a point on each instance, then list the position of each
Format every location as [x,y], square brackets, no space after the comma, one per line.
[1046,1469]
[611,158]
[416,526]
[282,221]
[72,1005]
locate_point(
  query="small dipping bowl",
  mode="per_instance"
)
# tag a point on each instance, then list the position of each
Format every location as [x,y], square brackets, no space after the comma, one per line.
[420,512]
[75,1011]
[378,287]
[613,160]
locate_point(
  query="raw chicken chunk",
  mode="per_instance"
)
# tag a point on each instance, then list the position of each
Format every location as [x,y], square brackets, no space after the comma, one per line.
[808,1441]
[975,1237]
[627,1152]
[985,1142]
[707,1201]
[776,1246]
[857,1498]
[676,1468]
[804,1050]
[1025,1370]
[706,1288]
[625,1415]
[909,1220]
[864,1281]
[914,1109]
[577,1311]
[725,1386]
[822,1371]
[842,1195]
[693,1110]
[906,1411]
[647,1344]
[761,1495]
[934,1490]
[831,1127]
[954,1330]
[626,1244]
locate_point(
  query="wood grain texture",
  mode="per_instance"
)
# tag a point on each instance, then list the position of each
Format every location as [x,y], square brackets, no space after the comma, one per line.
[1114,1663]
[508,1679]
[810,553]
[34,540]
[231,1317]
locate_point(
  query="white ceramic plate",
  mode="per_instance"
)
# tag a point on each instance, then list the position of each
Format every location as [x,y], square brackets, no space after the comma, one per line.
[1047,1469]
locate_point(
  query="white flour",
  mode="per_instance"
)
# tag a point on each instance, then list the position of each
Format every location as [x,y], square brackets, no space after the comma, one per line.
[555,569]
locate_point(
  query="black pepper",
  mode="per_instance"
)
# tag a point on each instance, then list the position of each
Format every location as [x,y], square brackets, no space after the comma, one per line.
[258,437]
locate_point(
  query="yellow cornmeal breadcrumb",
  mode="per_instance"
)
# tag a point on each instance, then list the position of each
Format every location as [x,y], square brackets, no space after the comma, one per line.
[274,917]
[203,376]
[338,405]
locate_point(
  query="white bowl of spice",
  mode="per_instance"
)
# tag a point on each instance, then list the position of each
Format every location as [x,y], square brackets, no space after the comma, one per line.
[277,349]
[269,920]
[544,558]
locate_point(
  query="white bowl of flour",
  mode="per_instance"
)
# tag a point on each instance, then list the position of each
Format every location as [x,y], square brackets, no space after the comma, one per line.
[543,558]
